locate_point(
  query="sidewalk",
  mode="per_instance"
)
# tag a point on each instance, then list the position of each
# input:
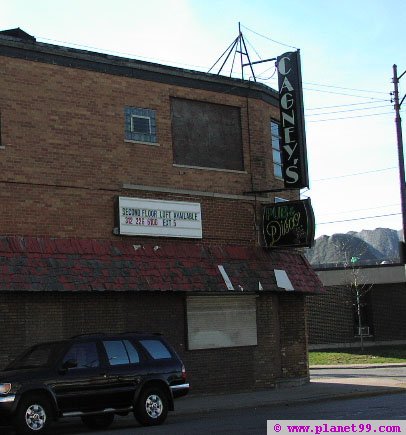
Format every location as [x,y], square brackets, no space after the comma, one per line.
[358,366]
[315,391]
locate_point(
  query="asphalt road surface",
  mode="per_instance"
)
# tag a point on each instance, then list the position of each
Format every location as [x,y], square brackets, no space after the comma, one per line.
[250,421]
[253,420]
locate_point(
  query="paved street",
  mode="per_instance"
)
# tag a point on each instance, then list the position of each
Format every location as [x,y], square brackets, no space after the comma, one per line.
[251,421]
[369,393]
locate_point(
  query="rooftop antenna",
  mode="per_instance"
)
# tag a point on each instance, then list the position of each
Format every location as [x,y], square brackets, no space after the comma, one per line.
[238,46]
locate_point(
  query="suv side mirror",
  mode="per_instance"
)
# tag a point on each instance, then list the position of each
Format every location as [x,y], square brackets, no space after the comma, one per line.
[69,364]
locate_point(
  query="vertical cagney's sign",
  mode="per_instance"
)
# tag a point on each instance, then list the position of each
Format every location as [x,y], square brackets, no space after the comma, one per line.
[294,156]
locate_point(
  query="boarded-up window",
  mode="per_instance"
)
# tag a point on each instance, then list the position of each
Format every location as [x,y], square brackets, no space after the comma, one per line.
[206,135]
[215,321]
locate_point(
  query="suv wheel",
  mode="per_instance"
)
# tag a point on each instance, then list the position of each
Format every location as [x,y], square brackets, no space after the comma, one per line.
[152,407]
[34,415]
[101,421]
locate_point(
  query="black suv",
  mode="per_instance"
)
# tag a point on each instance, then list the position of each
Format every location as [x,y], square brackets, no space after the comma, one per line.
[93,376]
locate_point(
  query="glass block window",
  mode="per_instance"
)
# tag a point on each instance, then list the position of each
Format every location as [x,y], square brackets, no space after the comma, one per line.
[140,124]
[276,149]
[216,321]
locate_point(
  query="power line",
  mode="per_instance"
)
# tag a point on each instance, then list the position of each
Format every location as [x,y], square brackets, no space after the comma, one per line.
[256,52]
[350,117]
[270,77]
[341,105]
[345,94]
[358,219]
[347,110]
[372,99]
[269,39]
[359,209]
[147,58]
[348,89]
[120,53]
[357,173]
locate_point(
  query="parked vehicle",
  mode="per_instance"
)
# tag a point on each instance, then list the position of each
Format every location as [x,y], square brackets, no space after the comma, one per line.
[93,376]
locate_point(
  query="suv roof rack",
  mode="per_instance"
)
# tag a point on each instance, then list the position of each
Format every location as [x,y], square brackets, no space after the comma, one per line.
[101,334]
[88,334]
[140,332]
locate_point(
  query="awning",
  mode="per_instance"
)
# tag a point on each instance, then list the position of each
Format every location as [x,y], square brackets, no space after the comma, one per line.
[47,264]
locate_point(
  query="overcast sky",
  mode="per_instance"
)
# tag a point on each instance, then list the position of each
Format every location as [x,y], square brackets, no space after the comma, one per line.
[348,48]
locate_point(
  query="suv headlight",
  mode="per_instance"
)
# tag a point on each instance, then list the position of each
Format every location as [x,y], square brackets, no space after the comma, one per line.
[5,388]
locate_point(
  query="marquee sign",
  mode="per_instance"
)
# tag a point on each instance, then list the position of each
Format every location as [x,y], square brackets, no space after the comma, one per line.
[293,136]
[288,224]
[150,217]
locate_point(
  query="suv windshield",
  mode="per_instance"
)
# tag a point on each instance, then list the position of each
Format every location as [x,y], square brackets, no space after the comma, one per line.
[35,357]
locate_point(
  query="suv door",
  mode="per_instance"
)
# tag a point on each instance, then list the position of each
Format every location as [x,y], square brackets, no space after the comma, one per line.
[83,387]
[124,369]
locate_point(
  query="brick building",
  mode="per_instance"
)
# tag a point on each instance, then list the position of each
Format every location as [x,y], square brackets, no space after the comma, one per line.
[124,207]
[333,318]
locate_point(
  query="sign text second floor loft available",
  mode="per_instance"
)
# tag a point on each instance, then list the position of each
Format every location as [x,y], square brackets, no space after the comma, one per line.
[151,217]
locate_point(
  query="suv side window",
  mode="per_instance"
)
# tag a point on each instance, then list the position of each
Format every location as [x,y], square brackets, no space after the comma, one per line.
[156,349]
[121,352]
[85,354]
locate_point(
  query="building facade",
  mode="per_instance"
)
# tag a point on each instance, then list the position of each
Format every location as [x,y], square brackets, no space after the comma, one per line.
[126,205]
[333,319]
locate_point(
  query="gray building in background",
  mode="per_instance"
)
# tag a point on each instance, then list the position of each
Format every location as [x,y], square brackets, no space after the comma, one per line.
[332,316]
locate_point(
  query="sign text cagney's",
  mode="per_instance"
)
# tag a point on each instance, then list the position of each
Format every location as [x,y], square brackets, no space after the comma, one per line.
[293,136]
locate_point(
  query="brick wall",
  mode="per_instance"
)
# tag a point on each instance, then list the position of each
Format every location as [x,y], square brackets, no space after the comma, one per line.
[34,210]
[331,316]
[293,336]
[27,318]
[65,158]
[267,355]
[388,302]
[64,162]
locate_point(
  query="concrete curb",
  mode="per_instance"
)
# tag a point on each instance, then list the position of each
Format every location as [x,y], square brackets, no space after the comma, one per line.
[357,366]
[179,410]
[316,392]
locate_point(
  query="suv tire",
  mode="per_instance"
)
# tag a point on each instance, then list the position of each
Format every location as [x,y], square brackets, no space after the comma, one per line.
[152,407]
[34,415]
[101,421]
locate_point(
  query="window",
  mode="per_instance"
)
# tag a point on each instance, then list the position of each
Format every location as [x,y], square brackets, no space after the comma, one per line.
[85,354]
[215,322]
[206,135]
[276,149]
[140,125]
[38,356]
[121,352]
[156,349]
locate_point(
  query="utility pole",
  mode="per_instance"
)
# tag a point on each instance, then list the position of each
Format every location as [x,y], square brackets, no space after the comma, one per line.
[398,122]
